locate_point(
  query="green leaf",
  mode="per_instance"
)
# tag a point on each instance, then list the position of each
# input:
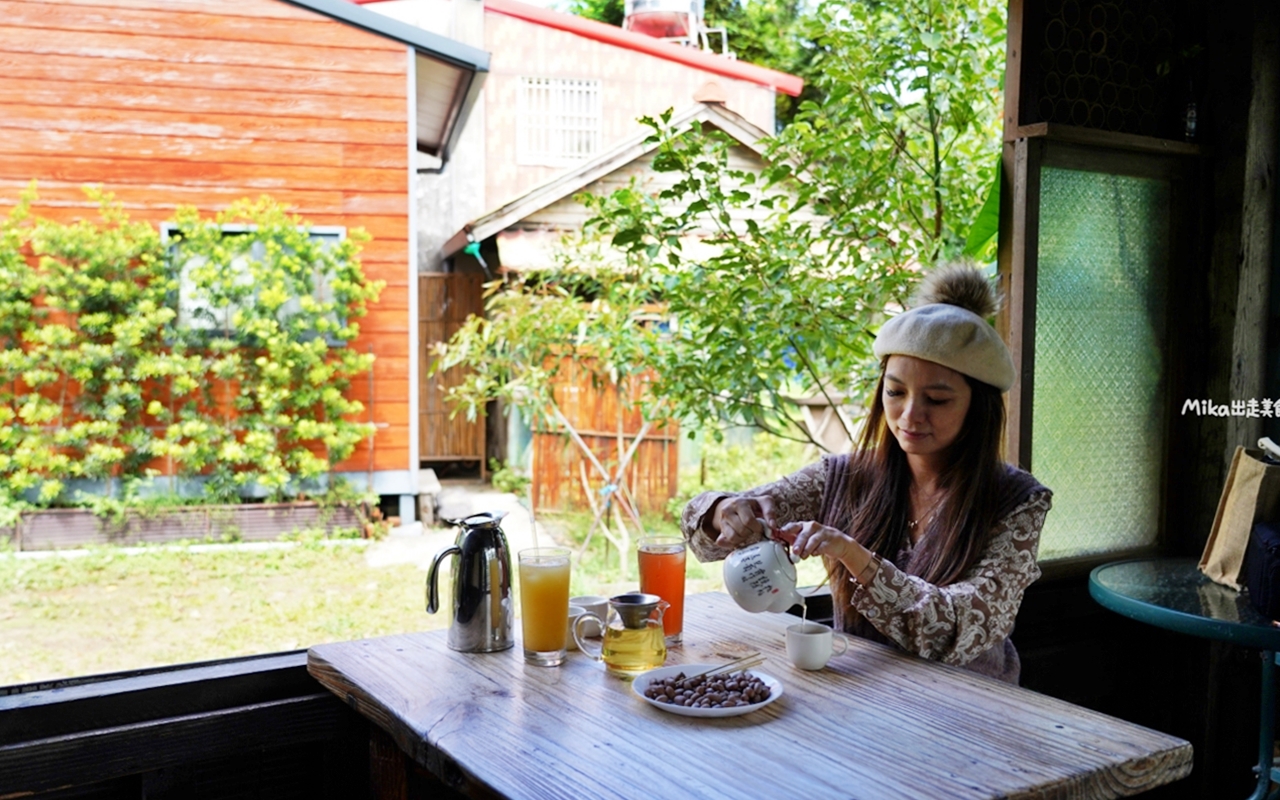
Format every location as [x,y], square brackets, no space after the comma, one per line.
[986,225]
[625,237]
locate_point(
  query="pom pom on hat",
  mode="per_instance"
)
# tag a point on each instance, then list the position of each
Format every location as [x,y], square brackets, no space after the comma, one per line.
[947,326]
[957,285]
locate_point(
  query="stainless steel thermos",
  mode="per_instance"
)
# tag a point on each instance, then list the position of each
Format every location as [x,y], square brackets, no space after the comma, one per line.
[481,566]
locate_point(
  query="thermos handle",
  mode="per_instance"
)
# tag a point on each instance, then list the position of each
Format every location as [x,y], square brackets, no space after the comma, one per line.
[433,595]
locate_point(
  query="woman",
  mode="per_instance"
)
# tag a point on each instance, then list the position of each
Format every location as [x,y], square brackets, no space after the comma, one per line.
[930,538]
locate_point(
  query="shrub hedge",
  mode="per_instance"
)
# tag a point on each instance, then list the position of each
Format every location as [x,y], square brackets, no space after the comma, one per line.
[212,350]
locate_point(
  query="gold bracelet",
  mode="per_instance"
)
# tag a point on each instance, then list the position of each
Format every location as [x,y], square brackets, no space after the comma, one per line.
[874,565]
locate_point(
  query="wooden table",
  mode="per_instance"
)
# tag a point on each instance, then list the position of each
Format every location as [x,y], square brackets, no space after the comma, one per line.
[874,724]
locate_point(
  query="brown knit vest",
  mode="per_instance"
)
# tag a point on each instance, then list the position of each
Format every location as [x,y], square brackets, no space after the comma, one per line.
[1015,487]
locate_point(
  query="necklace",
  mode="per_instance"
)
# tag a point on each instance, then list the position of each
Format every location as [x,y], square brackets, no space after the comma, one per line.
[933,508]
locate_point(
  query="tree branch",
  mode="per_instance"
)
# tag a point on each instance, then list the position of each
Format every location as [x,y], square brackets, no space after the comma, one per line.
[813,373]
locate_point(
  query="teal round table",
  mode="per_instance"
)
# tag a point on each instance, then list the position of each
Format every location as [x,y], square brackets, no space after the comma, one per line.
[1173,594]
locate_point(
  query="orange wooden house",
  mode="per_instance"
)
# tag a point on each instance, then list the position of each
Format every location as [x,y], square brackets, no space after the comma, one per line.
[321,104]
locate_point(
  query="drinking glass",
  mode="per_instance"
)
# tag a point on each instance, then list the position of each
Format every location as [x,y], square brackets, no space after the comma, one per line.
[544,603]
[662,560]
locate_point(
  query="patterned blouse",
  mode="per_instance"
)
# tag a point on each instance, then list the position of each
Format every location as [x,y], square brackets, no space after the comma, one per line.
[966,623]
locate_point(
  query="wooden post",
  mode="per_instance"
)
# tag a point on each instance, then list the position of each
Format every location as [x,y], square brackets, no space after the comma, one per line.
[1257,225]
[388,767]
[1013,70]
[1018,253]
[1017,243]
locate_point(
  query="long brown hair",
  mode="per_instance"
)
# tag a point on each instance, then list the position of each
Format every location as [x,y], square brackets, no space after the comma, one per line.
[879,497]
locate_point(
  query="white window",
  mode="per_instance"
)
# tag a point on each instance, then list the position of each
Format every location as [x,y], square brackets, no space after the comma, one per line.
[196,312]
[557,121]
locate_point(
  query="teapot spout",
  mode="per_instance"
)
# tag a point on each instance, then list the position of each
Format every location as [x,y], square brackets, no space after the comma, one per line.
[785,600]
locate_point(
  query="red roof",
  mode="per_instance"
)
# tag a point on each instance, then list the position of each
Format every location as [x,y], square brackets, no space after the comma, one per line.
[603,32]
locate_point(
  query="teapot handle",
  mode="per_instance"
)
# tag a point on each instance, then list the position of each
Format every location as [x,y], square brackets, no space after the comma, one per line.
[661,608]
[598,655]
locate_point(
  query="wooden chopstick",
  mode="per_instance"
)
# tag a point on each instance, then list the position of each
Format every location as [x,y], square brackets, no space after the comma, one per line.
[746,662]
[741,666]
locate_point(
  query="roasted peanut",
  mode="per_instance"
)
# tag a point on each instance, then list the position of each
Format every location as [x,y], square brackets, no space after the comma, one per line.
[715,691]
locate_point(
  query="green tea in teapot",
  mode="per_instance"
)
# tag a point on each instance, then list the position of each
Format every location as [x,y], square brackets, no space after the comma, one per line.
[630,651]
[634,640]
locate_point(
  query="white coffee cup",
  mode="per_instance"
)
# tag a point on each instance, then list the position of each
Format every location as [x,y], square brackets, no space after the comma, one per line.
[810,645]
[592,604]
[574,613]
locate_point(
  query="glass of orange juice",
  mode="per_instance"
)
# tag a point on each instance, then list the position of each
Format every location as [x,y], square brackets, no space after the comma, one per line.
[661,560]
[544,603]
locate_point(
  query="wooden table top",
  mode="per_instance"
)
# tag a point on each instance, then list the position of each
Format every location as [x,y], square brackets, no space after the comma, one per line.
[874,724]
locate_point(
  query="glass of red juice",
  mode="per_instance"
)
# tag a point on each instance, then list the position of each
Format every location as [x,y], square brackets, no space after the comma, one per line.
[661,560]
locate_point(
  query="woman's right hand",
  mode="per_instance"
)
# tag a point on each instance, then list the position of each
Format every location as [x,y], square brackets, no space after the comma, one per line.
[743,520]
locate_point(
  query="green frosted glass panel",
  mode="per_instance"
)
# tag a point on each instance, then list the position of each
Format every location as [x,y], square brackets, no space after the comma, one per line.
[1097,433]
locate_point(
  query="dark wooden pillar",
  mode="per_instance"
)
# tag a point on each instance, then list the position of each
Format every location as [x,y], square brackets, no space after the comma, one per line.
[1257,225]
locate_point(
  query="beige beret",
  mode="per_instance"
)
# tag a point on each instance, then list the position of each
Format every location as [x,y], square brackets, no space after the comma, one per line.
[951,336]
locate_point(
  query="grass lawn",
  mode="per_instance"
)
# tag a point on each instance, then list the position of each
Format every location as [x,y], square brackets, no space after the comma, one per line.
[110,610]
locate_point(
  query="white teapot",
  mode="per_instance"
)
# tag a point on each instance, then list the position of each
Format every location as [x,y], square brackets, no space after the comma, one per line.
[762,577]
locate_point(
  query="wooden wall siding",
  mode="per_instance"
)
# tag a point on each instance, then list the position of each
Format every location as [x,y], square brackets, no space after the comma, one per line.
[609,430]
[203,102]
[445,300]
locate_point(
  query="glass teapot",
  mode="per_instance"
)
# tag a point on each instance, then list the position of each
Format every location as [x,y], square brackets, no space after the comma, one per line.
[633,639]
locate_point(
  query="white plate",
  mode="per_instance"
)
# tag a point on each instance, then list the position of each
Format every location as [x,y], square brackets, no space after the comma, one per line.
[642,681]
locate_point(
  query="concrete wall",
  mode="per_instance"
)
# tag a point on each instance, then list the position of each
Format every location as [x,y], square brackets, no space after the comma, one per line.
[482,173]
[633,84]
[448,199]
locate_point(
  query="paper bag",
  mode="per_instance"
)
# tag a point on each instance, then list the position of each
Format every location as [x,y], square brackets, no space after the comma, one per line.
[1251,493]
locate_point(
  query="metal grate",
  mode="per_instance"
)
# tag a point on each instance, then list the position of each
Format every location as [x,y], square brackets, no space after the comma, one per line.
[1099,396]
[557,121]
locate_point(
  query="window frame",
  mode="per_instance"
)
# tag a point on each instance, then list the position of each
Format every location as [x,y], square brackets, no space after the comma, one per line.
[526,155]
[1023,159]
[164,726]
[333,233]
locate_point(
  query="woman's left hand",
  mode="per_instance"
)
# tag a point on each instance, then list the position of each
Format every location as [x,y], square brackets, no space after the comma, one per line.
[812,539]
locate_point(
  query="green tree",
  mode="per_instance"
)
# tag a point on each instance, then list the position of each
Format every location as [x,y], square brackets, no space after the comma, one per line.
[778,34]
[865,189]
[906,143]
[777,280]
[767,303]
[609,11]
[537,325]
[593,314]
